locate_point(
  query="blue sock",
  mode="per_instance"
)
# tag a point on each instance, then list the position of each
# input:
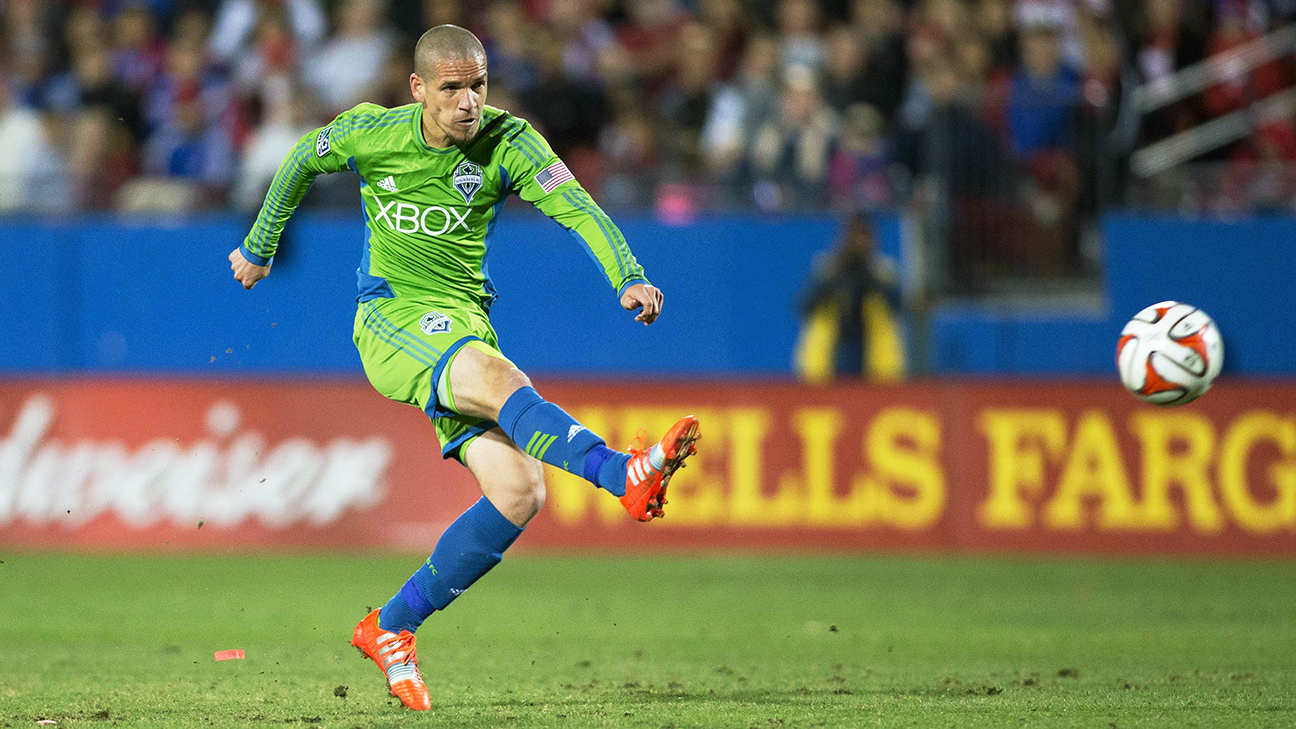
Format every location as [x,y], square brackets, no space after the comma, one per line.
[468,549]
[607,468]
[548,433]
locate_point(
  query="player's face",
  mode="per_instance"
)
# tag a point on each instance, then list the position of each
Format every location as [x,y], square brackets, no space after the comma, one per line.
[453,98]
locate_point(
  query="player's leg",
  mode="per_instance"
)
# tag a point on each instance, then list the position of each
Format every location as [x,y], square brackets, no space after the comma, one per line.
[478,383]
[481,386]
[512,485]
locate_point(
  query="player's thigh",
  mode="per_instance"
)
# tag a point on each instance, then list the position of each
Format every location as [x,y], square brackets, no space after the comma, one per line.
[509,478]
[481,380]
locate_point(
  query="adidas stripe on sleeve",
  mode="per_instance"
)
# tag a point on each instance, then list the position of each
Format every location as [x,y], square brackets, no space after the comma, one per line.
[543,180]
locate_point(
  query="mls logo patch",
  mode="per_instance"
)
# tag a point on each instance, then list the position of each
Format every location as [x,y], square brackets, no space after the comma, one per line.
[322,146]
[434,322]
[467,180]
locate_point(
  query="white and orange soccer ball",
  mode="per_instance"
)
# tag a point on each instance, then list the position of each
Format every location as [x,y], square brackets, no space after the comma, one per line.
[1169,353]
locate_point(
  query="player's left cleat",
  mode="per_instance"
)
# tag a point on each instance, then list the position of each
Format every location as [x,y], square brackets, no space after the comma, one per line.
[649,471]
[396,656]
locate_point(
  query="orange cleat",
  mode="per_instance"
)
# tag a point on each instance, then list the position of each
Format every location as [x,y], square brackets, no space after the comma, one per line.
[395,655]
[649,471]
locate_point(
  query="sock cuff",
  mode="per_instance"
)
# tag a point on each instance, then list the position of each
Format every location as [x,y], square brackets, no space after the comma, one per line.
[594,461]
[415,598]
[523,399]
[498,532]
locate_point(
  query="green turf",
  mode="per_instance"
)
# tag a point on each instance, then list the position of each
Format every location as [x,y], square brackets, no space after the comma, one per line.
[705,642]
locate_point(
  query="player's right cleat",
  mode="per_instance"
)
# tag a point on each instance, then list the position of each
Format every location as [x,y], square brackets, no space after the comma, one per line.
[395,655]
[649,471]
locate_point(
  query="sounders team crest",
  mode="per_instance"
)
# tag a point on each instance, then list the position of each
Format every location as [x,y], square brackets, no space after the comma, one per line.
[467,180]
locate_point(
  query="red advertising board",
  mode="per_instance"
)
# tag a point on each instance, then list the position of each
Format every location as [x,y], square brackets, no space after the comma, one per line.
[986,466]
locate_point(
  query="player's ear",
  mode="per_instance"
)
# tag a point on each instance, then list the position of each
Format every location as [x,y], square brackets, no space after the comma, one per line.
[416,88]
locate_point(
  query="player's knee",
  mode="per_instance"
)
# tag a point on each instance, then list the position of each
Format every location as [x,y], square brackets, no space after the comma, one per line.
[512,379]
[482,383]
[525,496]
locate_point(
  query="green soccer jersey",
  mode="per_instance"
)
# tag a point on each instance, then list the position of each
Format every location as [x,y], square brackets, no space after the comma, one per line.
[429,211]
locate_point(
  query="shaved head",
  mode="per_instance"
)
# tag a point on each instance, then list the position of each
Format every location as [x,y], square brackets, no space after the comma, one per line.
[449,80]
[446,43]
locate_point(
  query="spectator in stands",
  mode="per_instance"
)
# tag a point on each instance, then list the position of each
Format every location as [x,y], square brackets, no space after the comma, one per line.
[1042,109]
[29,50]
[286,117]
[790,152]
[628,149]
[974,60]
[948,19]
[192,27]
[584,38]
[1172,37]
[105,126]
[799,34]
[741,107]
[925,48]
[994,24]
[1042,96]
[849,311]
[440,12]
[728,22]
[649,39]
[687,98]
[348,68]
[958,161]
[508,47]
[186,75]
[705,80]
[138,50]
[190,149]
[31,172]
[845,80]
[1238,89]
[859,173]
[570,114]
[254,37]
[879,26]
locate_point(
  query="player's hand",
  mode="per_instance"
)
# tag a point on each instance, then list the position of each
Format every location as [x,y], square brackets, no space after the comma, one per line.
[645,297]
[246,272]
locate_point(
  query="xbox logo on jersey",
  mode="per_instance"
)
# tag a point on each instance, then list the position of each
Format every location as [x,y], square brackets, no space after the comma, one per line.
[404,217]
[467,180]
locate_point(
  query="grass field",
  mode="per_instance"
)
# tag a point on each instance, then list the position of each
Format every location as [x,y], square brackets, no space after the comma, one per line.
[667,642]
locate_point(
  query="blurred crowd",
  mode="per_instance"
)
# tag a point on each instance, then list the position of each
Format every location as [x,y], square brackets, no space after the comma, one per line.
[182,104]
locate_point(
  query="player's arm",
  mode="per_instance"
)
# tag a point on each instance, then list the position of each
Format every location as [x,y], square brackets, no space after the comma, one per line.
[542,179]
[319,152]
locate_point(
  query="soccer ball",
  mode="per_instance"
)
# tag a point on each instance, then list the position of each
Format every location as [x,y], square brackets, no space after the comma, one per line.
[1169,353]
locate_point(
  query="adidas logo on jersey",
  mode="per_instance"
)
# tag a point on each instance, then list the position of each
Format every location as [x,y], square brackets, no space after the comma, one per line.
[388,183]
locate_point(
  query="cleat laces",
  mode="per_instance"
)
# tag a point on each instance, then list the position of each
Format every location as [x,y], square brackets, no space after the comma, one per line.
[401,658]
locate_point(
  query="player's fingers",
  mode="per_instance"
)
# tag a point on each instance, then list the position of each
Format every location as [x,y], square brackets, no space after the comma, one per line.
[650,307]
[653,309]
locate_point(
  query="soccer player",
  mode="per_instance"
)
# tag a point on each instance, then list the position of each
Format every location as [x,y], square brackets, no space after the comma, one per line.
[434,177]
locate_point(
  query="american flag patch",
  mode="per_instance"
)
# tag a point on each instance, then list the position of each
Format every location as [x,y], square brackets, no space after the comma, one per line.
[553,176]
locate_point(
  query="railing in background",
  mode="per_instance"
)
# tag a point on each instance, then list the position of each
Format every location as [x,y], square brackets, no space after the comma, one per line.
[1233,66]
